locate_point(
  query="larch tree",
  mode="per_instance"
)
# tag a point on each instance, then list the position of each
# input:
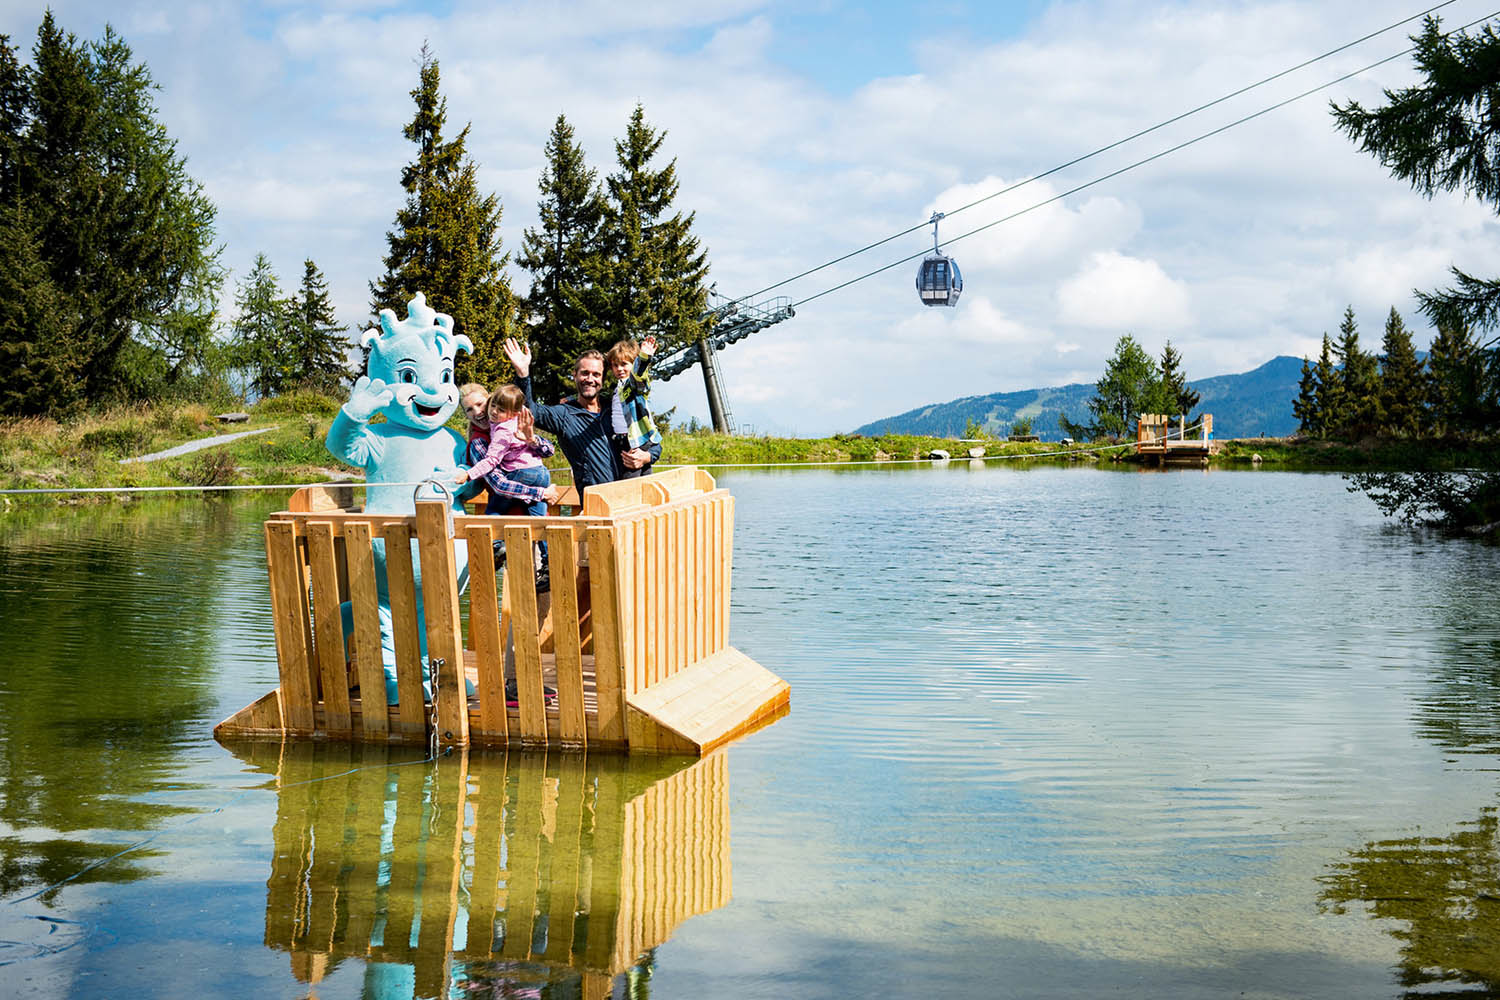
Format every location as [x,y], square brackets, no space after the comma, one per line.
[1400,394]
[1131,385]
[564,308]
[657,274]
[446,241]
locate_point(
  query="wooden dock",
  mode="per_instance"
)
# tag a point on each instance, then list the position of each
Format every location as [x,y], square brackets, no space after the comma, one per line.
[1154,436]
[487,869]
[633,637]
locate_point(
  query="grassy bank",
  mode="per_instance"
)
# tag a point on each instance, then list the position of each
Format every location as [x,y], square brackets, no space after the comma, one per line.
[86,452]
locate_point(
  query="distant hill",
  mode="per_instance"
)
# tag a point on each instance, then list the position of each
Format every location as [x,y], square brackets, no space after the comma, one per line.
[1244,405]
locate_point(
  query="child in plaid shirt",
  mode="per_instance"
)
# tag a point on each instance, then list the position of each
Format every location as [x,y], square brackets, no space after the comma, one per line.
[630,410]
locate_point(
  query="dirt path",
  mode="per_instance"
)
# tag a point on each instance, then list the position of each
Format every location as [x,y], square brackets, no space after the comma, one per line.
[192,446]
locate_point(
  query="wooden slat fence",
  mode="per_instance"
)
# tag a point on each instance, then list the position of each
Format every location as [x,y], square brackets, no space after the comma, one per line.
[640,585]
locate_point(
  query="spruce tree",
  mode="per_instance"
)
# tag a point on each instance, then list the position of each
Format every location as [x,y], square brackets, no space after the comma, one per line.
[446,240]
[1330,405]
[566,259]
[316,340]
[1457,384]
[124,233]
[261,345]
[656,282]
[1174,382]
[1399,396]
[1357,375]
[1305,406]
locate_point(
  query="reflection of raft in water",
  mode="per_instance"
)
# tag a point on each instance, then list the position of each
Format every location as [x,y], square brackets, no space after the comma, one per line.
[525,868]
[633,636]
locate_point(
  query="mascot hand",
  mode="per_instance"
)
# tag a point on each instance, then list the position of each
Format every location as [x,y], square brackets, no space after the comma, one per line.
[367,397]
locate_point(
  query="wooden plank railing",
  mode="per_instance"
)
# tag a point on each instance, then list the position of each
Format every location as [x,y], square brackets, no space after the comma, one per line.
[639,591]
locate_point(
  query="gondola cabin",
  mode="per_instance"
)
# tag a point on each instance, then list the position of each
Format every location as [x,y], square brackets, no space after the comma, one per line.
[939,282]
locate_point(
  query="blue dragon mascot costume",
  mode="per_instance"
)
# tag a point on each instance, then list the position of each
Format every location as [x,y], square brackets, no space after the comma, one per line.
[409,379]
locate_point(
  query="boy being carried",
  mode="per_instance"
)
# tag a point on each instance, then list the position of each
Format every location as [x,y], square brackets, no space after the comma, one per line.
[631,425]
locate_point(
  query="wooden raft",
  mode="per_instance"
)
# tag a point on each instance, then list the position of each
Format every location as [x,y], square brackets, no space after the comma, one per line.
[633,637]
[1154,437]
[524,868]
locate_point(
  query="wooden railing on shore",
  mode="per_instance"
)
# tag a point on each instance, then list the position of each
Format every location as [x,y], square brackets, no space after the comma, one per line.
[522,868]
[633,637]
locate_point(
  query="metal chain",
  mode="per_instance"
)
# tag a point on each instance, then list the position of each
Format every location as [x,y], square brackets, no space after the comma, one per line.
[433,663]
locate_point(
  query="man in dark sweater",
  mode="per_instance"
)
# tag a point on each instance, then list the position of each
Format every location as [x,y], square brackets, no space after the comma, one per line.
[580,423]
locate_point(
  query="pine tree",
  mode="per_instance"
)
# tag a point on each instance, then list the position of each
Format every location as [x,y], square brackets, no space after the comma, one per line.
[317,344]
[656,282]
[1399,396]
[124,233]
[446,241]
[1330,405]
[1305,406]
[1357,375]
[1174,383]
[260,330]
[566,260]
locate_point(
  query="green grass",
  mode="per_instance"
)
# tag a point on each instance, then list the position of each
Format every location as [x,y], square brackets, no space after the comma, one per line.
[86,451]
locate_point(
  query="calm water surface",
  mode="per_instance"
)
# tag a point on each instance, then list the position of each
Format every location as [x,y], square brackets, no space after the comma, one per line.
[1054,732]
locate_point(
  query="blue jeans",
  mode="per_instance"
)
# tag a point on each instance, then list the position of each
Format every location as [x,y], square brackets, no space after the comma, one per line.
[532,475]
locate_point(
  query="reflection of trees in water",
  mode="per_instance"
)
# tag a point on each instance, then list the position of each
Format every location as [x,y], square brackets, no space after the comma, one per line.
[109,659]
[1461,710]
[1446,893]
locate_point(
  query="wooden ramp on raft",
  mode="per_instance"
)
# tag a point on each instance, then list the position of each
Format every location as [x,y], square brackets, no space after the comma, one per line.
[628,651]
[487,872]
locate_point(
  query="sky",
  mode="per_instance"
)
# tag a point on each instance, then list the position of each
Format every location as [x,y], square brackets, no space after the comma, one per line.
[804,130]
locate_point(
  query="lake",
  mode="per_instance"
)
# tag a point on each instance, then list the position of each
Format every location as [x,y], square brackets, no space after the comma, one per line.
[1055,732]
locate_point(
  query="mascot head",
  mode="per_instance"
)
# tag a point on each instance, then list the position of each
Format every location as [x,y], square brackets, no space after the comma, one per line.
[415,358]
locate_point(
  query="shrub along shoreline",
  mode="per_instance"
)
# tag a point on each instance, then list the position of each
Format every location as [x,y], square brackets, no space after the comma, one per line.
[86,452]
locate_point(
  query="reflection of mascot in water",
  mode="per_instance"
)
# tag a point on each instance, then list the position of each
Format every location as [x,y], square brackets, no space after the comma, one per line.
[409,379]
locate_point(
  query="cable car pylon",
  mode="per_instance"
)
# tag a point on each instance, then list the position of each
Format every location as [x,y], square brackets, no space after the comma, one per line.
[729,320]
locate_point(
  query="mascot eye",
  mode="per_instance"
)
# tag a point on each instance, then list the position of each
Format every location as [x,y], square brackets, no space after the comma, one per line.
[408,375]
[447,375]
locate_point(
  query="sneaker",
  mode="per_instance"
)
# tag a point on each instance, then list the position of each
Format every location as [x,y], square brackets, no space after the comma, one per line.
[499,553]
[513,695]
[543,580]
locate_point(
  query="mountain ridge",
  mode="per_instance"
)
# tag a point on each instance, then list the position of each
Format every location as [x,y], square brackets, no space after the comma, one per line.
[1245,404]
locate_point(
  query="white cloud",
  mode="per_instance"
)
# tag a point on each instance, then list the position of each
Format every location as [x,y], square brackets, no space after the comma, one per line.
[1243,246]
[1117,292]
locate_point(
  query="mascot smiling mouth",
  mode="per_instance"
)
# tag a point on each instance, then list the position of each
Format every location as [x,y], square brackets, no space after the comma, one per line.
[425,411]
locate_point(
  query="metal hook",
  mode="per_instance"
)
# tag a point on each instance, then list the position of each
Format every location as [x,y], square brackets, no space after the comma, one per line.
[447,492]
